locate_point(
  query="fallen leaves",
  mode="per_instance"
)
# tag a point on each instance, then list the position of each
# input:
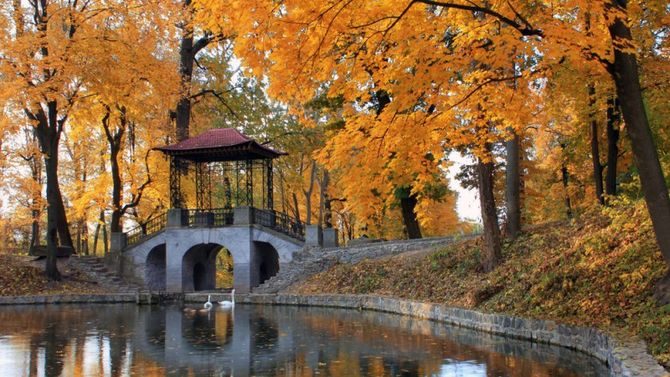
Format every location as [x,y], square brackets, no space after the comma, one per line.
[20,276]
[598,271]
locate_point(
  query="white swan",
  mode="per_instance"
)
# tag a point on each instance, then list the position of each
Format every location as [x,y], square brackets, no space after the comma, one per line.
[229,304]
[208,304]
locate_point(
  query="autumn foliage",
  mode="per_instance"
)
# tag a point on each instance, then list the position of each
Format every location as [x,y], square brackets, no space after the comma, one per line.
[560,107]
[597,271]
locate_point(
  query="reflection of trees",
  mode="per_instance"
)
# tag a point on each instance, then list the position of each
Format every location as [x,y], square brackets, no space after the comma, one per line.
[371,343]
[155,327]
[199,331]
[281,341]
[56,338]
[208,331]
[223,327]
[54,348]
[264,334]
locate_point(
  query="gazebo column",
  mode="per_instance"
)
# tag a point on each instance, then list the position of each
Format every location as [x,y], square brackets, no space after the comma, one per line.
[250,182]
[269,183]
[203,188]
[175,183]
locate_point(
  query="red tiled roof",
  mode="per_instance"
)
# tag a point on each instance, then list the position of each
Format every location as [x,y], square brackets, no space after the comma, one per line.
[214,138]
[219,142]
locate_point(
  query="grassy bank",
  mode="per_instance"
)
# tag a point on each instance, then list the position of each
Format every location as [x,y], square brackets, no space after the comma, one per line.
[598,270]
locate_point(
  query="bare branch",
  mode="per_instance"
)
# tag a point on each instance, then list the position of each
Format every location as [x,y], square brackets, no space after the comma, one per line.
[525,30]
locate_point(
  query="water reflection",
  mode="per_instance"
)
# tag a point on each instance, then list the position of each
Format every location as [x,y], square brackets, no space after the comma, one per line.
[123,340]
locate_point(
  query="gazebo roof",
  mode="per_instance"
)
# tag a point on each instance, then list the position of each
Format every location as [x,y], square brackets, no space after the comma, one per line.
[220,144]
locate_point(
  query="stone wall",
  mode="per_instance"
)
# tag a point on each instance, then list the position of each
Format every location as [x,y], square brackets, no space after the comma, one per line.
[312,260]
[70,299]
[625,357]
[178,245]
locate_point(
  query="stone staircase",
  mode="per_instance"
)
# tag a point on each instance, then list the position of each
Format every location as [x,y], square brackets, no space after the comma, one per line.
[310,260]
[303,266]
[95,270]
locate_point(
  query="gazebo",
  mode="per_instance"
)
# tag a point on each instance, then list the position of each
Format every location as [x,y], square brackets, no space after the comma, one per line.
[229,169]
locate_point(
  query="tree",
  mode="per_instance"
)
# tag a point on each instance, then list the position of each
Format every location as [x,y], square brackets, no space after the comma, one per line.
[39,79]
[52,66]
[343,39]
[189,48]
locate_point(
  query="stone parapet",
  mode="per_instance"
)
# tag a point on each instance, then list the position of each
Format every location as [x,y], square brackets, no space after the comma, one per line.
[313,235]
[69,299]
[330,237]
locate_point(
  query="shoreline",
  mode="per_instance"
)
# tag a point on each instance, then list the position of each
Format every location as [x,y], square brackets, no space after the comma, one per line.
[624,357]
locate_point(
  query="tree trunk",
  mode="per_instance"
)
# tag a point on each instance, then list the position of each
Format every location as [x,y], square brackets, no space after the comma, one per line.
[105,243]
[566,178]
[612,147]
[327,208]
[84,238]
[78,236]
[36,200]
[325,215]
[626,77]
[115,222]
[512,188]
[51,164]
[408,206]
[296,209]
[186,57]
[35,231]
[308,195]
[282,191]
[63,228]
[595,147]
[492,251]
[101,221]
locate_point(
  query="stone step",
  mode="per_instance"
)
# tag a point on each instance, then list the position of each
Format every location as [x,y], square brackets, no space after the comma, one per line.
[311,261]
[96,270]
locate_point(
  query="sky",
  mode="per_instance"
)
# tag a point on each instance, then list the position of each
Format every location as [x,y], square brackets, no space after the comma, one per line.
[467,204]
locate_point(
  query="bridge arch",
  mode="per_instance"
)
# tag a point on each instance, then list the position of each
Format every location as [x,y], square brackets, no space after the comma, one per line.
[183,259]
[199,266]
[266,259]
[155,268]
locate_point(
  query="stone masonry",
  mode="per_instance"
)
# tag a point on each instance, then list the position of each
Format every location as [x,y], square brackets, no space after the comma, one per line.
[312,260]
[624,357]
[181,258]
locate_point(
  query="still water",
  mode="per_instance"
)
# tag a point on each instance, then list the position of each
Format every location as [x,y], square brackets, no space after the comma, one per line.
[124,340]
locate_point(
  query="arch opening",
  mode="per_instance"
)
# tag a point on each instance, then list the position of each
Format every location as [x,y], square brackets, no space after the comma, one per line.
[206,267]
[199,277]
[266,262]
[154,273]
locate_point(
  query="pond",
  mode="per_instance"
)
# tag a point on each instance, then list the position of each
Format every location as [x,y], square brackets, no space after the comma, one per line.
[124,339]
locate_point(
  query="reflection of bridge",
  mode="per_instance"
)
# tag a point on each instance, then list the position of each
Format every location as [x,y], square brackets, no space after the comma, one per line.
[277,340]
[234,198]
[262,340]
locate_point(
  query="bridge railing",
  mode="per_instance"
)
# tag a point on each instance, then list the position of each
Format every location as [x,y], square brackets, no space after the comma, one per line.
[140,232]
[208,218]
[280,222]
[219,217]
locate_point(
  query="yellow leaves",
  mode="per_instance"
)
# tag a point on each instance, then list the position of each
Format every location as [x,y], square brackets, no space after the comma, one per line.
[635,277]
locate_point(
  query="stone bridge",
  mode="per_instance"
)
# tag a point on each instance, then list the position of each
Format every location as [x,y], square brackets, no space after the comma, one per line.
[177,252]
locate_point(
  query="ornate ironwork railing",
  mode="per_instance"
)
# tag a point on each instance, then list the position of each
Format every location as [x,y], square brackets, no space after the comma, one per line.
[208,218]
[219,217]
[223,216]
[151,227]
[280,222]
